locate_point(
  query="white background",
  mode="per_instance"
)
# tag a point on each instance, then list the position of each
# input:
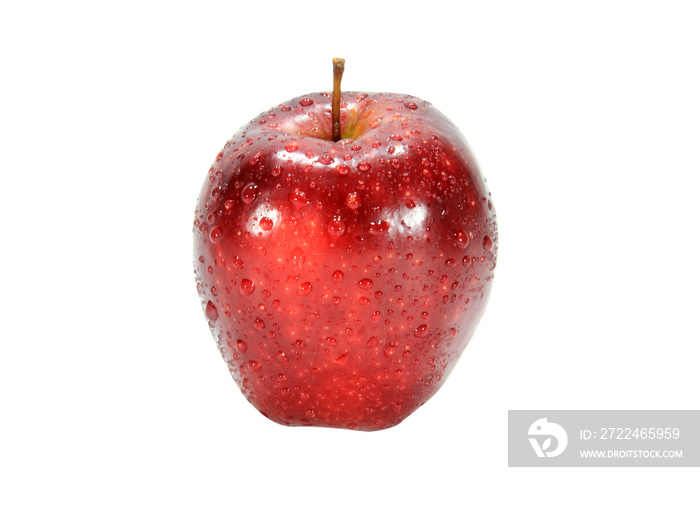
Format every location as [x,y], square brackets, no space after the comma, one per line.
[115,406]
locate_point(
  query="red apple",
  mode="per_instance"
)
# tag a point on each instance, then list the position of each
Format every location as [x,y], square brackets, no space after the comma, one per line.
[343,279]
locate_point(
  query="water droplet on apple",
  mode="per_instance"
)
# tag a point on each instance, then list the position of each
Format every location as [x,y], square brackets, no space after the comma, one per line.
[343,169]
[247,287]
[249,193]
[365,284]
[451,263]
[254,366]
[462,239]
[353,200]
[372,342]
[282,357]
[266,224]
[259,324]
[304,288]
[211,311]
[228,204]
[364,166]
[421,330]
[216,234]
[298,199]
[488,243]
[389,350]
[291,147]
[277,171]
[411,105]
[241,346]
[342,359]
[378,228]
[298,256]
[337,276]
[336,227]
[306,102]
[325,160]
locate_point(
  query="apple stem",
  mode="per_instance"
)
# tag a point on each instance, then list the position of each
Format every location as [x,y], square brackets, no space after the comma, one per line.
[338,68]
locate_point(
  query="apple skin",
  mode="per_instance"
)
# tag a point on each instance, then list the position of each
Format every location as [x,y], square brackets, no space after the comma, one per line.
[343,280]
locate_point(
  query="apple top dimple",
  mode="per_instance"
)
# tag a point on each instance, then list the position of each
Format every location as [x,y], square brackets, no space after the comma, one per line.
[310,115]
